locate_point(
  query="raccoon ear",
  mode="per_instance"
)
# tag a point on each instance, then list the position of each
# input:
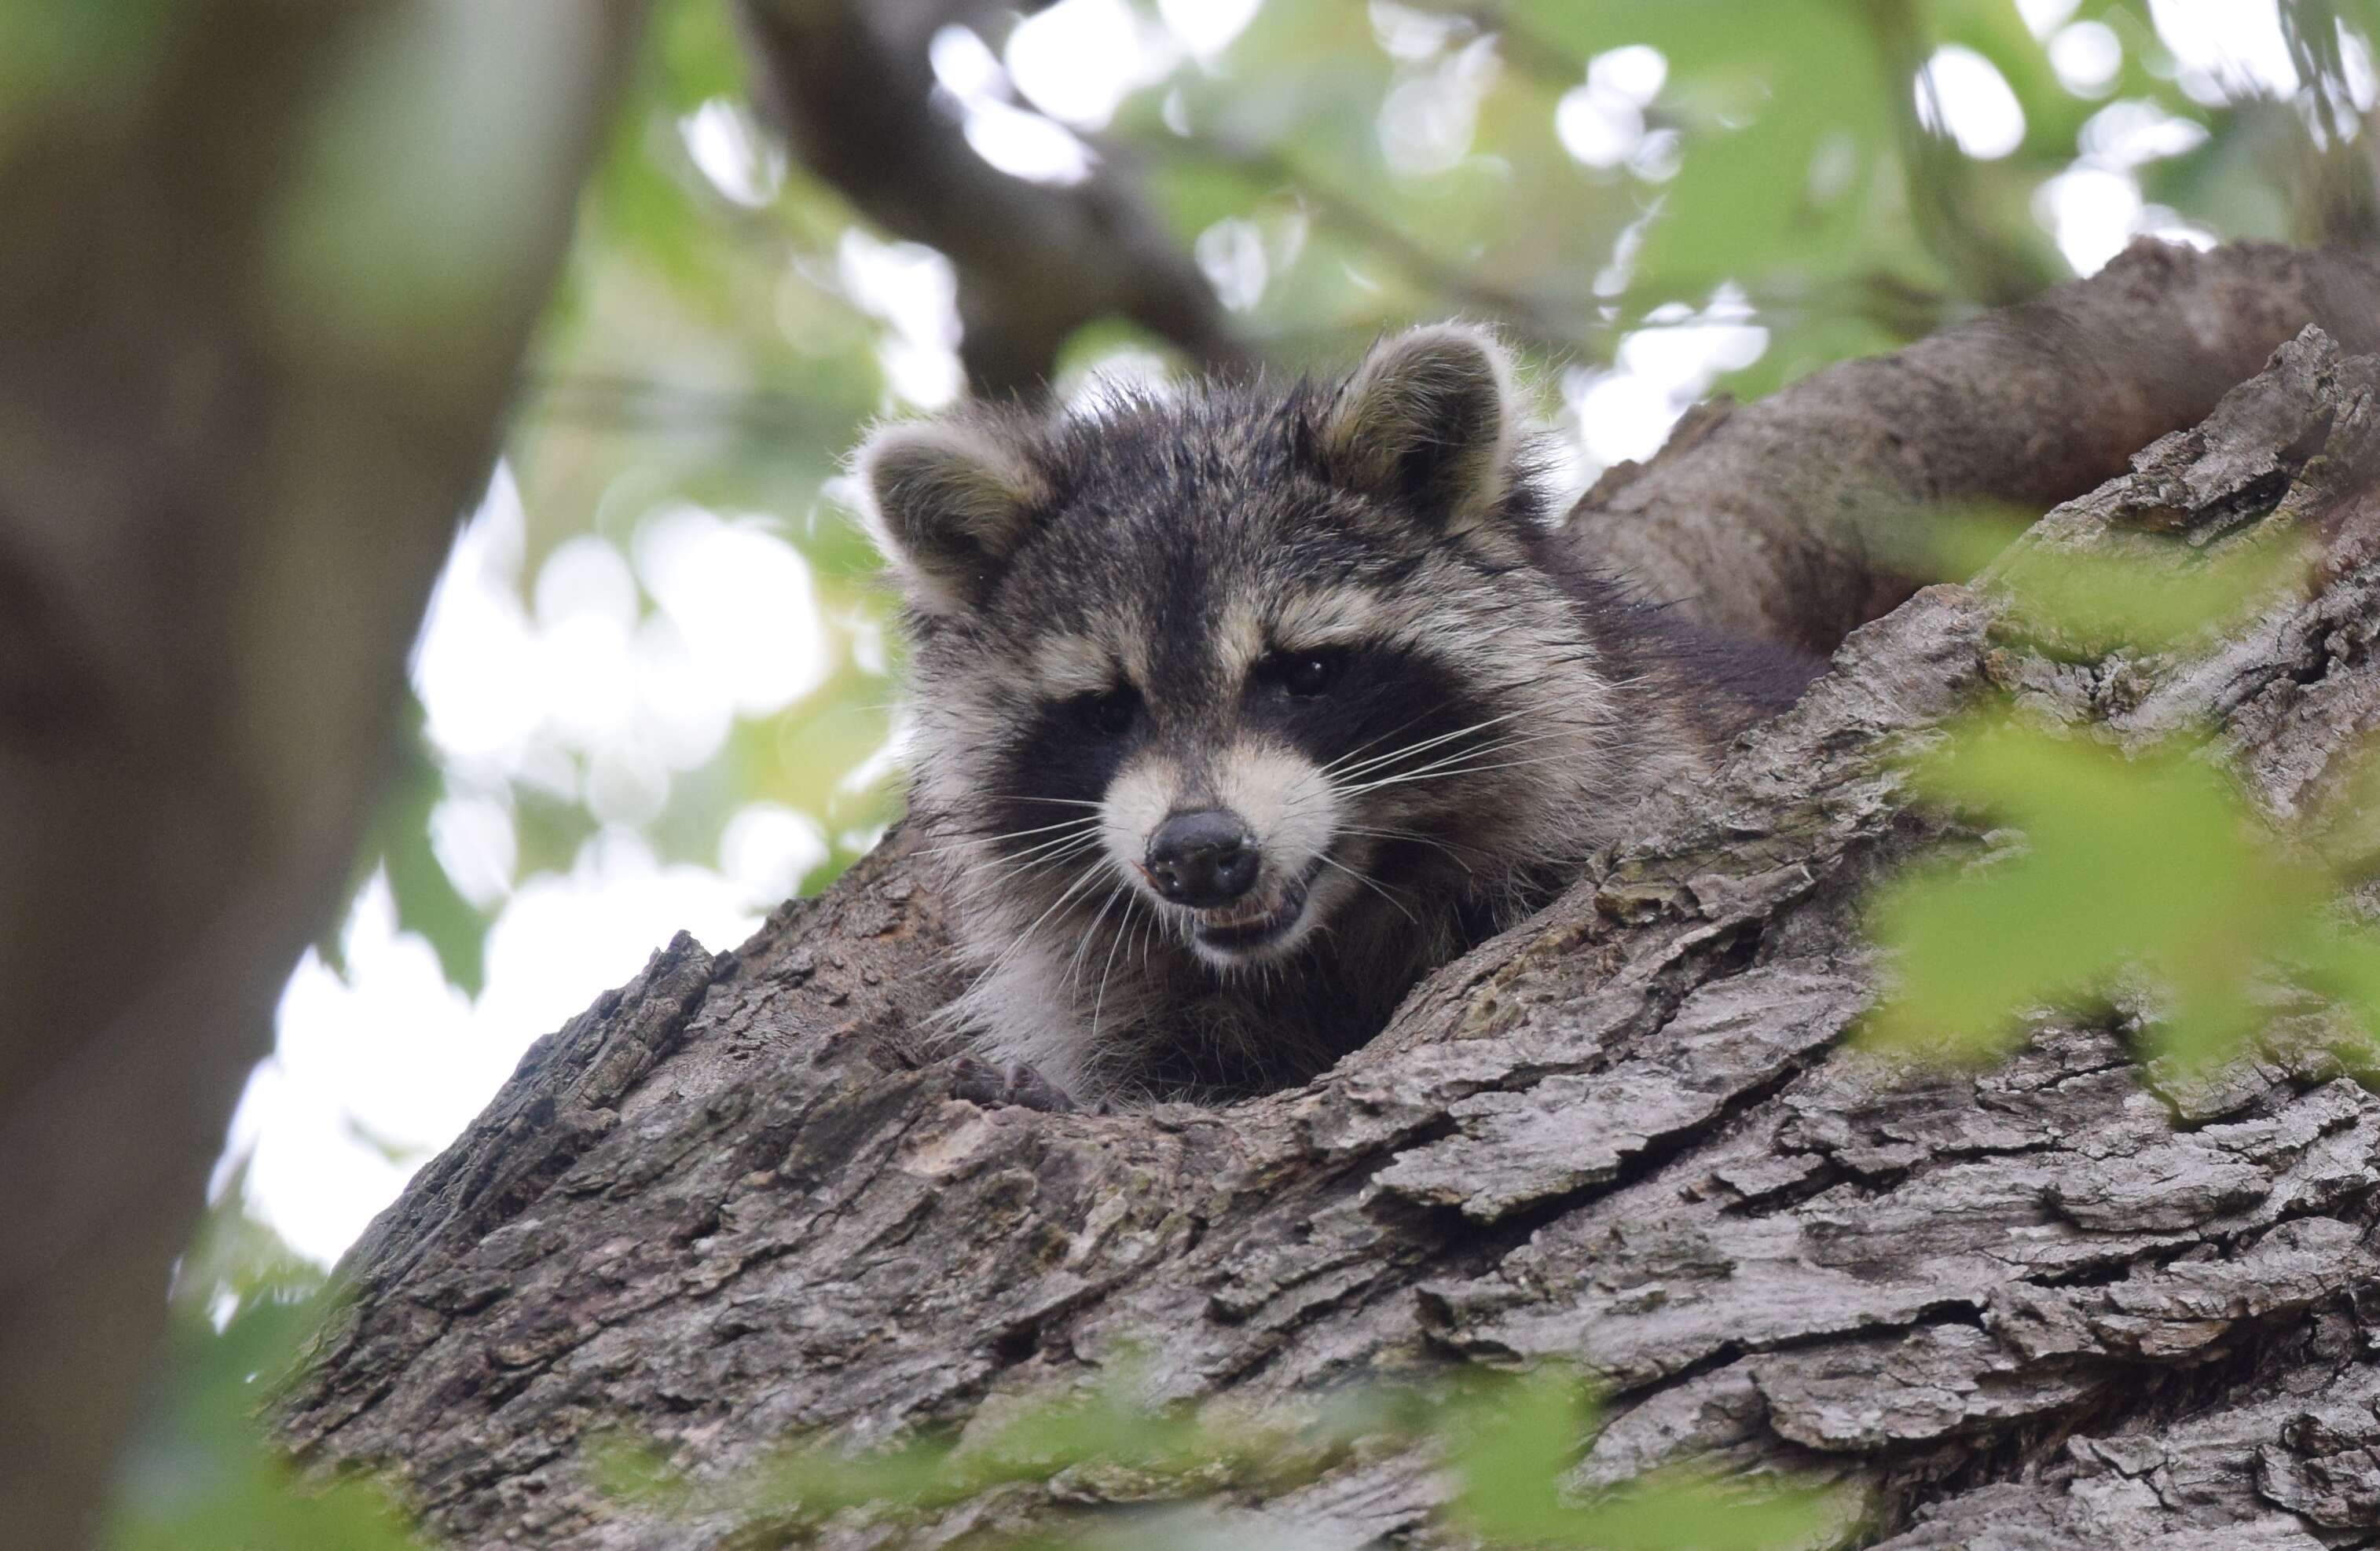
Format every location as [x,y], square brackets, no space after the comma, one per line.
[946,503]
[1430,418]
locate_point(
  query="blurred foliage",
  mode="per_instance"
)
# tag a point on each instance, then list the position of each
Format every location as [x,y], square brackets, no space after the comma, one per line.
[2125,881]
[199,1476]
[51,49]
[2130,591]
[1511,1440]
[2109,871]
[724,330]
[427,900]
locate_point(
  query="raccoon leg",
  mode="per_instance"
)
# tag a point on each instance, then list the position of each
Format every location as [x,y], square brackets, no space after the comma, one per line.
[980,1082]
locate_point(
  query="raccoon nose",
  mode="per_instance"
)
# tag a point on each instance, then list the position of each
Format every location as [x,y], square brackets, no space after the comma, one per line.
[1202,859]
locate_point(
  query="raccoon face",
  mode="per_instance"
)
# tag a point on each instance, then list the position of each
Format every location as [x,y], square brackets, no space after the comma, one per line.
[1239,672]
[1239,800]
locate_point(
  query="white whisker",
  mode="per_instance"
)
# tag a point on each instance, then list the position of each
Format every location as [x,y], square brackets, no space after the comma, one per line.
[1326,860]
[987,841]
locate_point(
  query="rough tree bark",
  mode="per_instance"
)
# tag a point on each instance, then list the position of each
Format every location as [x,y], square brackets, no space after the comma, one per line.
[241,411]
[2067,1300]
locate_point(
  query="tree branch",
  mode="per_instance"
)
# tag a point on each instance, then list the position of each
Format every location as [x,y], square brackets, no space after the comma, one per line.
[1798,516]
[848,84]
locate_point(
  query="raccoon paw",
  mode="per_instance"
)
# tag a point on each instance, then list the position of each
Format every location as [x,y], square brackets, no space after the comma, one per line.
[980,1082]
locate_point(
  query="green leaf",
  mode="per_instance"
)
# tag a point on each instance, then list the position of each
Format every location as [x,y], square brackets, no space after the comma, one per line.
[427,900]
[200,1474]
[2146,863]
[1511,1440]
[1686,1513]
[1757,94]
[2133,590]
[693,54]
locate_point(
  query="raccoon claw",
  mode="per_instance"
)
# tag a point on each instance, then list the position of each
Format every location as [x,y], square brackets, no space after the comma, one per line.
[1011,1083]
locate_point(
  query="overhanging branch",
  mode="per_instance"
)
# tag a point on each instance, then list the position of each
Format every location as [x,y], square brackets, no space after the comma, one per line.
[849,84]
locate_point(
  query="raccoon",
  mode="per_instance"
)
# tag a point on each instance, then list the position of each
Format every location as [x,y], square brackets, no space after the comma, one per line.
[1236,709]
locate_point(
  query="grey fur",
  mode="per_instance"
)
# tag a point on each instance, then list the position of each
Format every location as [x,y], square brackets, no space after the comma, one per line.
[1117,613]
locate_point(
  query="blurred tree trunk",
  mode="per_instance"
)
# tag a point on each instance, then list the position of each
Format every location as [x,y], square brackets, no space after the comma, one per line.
[721,1208]
[265,279]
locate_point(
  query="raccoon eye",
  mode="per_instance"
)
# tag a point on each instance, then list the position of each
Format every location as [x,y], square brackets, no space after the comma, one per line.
[1303,675]
[1111,713]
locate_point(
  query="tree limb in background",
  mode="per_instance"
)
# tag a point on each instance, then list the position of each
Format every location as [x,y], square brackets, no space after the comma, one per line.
[849,84]
[1790,519]
[2329,166]
[261,308]
[1940,177]
[718,1210]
